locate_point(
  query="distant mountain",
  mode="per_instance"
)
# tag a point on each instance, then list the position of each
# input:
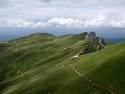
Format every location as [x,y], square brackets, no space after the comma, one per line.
[7,37]
[115,40]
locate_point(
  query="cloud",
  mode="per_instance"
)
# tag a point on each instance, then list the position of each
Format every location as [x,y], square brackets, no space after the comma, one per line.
[69,22]
[118,23]
[3,3]
[95,22]
[100,20]
[61,0]
[65,13]
[41,24]
[92,2]
[59,22]
[23,23]
[28,24]
[14,22]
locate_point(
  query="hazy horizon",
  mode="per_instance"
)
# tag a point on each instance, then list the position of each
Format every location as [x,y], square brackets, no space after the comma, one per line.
[107,33]
[60,17]
[104,32]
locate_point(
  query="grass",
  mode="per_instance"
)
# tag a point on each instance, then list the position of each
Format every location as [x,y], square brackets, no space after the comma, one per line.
[106,67]
[40,58]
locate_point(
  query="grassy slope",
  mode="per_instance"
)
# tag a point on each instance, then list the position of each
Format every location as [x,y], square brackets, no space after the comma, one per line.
[27,57]
[106,66]
[41,64]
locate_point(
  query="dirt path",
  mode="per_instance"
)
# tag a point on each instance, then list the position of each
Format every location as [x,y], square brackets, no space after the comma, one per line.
[88,79]
[92,81]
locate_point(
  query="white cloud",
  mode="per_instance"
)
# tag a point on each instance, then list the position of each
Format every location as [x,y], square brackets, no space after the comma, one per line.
[41,24]
[14,22]
[23,23]
[59,22]
[29,24]
[69,22]
[118,23]
[95,22]
[85,12]
[109,2]
[65,13]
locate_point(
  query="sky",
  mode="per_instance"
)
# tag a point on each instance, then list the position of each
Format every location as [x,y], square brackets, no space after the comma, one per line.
[74,14]
[60,17]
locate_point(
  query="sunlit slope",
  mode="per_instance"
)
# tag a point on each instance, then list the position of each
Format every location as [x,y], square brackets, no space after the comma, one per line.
[106,66]
[23,59]
[34,65]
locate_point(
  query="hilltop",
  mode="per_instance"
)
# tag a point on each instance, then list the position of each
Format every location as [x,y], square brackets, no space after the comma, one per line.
[42,63]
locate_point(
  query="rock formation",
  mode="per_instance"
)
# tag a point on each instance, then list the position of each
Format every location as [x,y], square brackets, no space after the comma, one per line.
[98,43]
[91,37]
[86,50]
[101,41]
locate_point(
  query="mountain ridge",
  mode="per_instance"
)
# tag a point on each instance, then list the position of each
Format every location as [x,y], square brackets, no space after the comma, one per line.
[36,65]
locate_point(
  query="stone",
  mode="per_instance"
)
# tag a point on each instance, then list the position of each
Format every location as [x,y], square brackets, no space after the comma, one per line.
[91,37]
[86,50]
[101,41]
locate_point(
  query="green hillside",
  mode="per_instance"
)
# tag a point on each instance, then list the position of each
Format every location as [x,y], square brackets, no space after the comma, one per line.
[42,63]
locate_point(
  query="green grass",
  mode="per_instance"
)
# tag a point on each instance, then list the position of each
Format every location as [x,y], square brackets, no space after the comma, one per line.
[26,56]
[40,58]
[106,66]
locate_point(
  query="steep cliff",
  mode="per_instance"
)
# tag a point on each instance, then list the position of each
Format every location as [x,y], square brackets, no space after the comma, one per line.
[101,41]
[91,37]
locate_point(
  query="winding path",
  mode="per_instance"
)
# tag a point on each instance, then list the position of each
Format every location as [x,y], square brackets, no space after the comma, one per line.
[93,82]
[88,79]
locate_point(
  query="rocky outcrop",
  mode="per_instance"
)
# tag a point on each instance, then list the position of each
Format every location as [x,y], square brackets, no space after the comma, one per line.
[91,37]
[101,41]
[86,50]
[97,43]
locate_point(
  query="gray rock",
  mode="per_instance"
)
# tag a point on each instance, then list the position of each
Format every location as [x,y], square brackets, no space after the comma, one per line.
[86,50]
[101,41]
[91,37]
